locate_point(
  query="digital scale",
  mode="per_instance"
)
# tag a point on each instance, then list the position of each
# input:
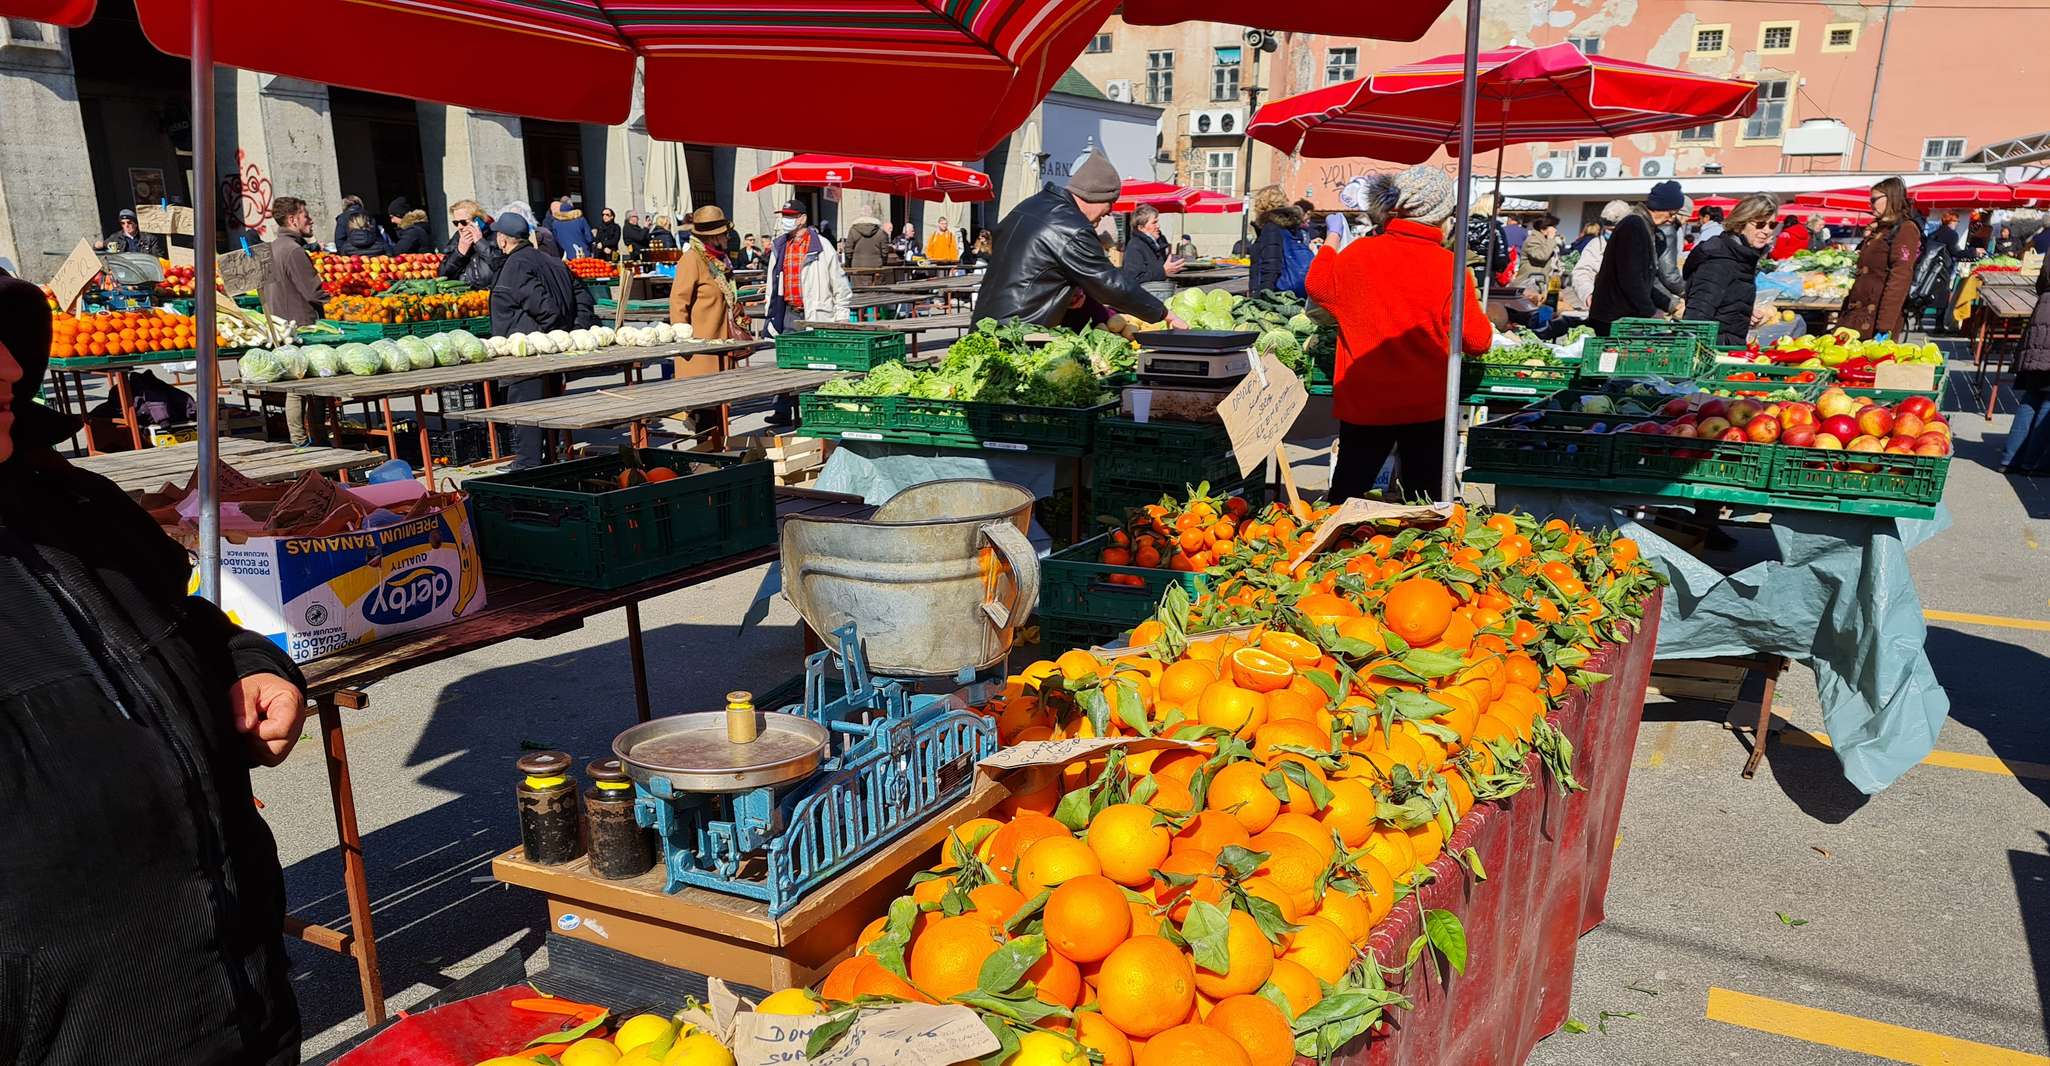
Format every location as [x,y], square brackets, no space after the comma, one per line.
[1195,356]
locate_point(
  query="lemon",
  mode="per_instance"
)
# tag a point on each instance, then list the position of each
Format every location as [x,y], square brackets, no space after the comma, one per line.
[1047,1049]
[590,1051]
[699,1049]
[790,1001]
[640,1056]
[642,1029]
[510,1060]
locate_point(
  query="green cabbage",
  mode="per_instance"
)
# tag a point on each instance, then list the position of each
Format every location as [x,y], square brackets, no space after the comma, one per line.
[359,359]
[293,361]
[261,366]
[418,354]
[323,360]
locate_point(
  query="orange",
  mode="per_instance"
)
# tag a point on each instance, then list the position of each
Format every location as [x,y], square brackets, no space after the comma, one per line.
[947,958]
[1392,847]
[1086,917]
[839,983]
[1260,670]
[1211,831]
[1192,1042]
[1297,985]
[1307,829]
[930,891]
[1052,860]
[1057,979]
[1291,705]
[1294,864]
[1257,1026]
[1351,811]
[1179,763]
[1002,848]
[1324,608]
[1206,887]
[1039,800]
[1521,670]
[1298,733]
[995,903]
[1092,1030]
[1273,892]
[1426,842]
[1347,912]
[1299,799]
[1417,609]
[1297,651]
[871,931]
[1365,630]
[1127,844]
[1322,948]
[1171,795]
[1240,791]
[1146,987]
[1251,959]
[1461,793]
[1236,710]
[1182,682]
[1144,921]
[875,980]
[1379,894]
[1077,664]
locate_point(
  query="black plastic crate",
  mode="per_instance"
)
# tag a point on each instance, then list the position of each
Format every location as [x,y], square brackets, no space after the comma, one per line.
[1552,443]
[1163,452]
[1075,585]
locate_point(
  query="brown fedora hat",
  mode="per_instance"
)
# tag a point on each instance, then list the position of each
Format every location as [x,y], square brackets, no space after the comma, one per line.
[708,221]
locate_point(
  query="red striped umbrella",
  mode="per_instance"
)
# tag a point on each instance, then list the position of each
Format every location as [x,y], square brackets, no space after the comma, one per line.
[818,74]
[1961,192]
[1552,93]
[1215,203]
[1384,22]
[1849,200]
[2035,192]
[1164,196]
[1706,202]
[1830,215]
[893,177]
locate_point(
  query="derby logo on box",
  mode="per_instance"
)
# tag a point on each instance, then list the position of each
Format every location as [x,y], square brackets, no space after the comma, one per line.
[408,594]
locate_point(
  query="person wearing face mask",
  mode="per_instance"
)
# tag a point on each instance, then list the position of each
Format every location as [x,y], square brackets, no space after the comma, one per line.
[1047,262]
[1722,271]
[806,283]
[143,895]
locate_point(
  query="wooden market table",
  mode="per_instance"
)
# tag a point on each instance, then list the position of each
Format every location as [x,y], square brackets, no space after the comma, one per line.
[148,468]
[67,380]
[517,608]
[2003,312]
[383,388]
[636,405]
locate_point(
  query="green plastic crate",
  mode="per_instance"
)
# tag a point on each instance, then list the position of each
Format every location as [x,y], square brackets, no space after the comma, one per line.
[1163,452]
[859,350]
[1636,357]
[1716,377]
[1058,634]
[1666,328]
[1074,585]
[1553,443]
[950,423]
[551,523]
[351,333]
[1112,499]
[1658,457]
[1506,381]
[1860,475]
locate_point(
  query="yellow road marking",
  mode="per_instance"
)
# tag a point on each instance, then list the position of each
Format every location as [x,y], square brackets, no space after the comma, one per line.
[1954,760]
[1987,620]
[1893,1043]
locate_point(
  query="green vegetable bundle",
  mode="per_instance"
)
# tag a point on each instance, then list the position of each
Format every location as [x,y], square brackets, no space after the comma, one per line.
[995,364]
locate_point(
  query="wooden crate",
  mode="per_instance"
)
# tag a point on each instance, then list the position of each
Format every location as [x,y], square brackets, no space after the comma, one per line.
[1718,680]
[798,459]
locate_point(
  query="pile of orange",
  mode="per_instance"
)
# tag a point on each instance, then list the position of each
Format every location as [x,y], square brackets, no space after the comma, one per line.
[119,333]
[1369,697]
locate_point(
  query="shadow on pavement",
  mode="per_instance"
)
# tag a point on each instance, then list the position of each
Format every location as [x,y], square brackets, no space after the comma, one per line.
[433,896]
[2032,886]
[1996,688]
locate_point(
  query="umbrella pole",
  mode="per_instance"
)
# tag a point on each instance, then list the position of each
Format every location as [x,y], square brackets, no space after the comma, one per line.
[203,208]
[1448,475]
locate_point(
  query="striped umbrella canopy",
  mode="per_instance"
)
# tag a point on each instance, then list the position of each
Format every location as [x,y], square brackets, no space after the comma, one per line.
[1706,202]
[893,177]
[1830,215]
[1848,200]
[1215,203]
[1553,93]
[1961,192]
[819,76]
[1163,196]
[2036,192]
[1384,22]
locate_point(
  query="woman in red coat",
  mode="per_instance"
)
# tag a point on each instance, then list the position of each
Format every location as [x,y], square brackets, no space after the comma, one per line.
[1392,296]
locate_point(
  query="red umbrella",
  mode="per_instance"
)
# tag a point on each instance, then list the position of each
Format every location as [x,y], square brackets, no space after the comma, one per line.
[1848,200]
[2035,192]
[893,177]
[1706,202]
[1385,22]
[1214,203]
[1830,215]
[1164,196]
[1553,93]
[1961,192]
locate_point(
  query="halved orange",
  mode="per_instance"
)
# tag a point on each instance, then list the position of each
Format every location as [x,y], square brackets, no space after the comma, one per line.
[1260,670]
[1298,651]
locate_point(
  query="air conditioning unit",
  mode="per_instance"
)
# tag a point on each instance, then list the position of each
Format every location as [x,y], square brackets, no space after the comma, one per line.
[1601,167]
[1655,167]
[1552,166]
[1217,122]
[1121,91]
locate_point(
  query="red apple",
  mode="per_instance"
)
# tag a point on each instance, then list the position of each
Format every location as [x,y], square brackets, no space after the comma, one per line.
[1935,440]
[1681,429]
[1711,426]
[1801,435]
[1842,427]
[1645,427]
[1714,408]
[1675,406]
[1796,414]
[1876,421]
[1743,411]
[1829,442]
[1907,424]
[1919,406]
[1733,434]
[1899,445]
[1936,425]
[1762,430]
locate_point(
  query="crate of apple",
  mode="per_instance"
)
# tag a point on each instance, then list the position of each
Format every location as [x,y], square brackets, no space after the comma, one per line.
[366,275]
[1835,421]
[178,281]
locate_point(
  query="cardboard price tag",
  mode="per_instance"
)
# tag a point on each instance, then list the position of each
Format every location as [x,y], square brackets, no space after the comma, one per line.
[179,255]
[1259,412]
[1354,511]
[772,1039]
[157,218]
[1063,752]
[78,271]
[1910,377]
[916,1034]
[243,271]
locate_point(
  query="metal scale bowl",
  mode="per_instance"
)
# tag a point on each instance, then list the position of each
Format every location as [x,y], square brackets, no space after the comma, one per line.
[938,580]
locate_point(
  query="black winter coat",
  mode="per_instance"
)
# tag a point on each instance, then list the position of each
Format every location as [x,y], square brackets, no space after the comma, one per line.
[535,293]
[1275,227]
[478,267]
[605,237]
[143,895]
[867,242]
[1722,285]
[2032,366]
[1146,258]
[366,241]
[413,237]
[1625,286]
[1045,250]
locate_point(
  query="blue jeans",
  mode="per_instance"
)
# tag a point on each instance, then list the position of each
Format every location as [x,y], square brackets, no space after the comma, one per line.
[2028,439]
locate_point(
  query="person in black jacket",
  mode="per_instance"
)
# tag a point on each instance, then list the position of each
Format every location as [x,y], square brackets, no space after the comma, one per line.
[362,237]
[634,234]
[534,293]
[1722,271]
[1047,258]
[1276,221]
[143,900]
[1148,259]
[605,237]
[409,228]
[1625,286]
[128,237]
[351,205]
[2027,448]
[473,257]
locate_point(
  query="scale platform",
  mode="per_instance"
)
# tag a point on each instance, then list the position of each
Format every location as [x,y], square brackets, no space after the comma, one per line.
[1194,368]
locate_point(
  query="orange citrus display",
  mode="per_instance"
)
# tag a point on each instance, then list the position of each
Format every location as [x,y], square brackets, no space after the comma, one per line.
[97,336]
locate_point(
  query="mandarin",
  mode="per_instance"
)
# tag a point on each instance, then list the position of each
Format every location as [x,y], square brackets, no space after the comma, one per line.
[1259,1028]
[1145,987]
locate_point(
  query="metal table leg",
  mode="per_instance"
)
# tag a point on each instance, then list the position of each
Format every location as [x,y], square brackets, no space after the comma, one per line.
[640,660]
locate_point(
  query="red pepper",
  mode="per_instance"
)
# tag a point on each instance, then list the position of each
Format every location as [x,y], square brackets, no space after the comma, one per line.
[582,1012]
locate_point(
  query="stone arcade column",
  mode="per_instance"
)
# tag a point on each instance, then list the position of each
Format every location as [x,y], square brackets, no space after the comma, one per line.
[47,200]
[274,137]
[471,155]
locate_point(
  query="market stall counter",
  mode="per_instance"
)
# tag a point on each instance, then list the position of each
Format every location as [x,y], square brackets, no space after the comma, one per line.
[636,406]
[518,608]
[149,468]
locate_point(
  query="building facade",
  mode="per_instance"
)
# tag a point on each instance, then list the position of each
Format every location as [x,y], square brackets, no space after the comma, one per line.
[1879,88]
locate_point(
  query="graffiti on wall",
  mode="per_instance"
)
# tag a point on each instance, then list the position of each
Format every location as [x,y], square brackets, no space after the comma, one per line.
[245,196]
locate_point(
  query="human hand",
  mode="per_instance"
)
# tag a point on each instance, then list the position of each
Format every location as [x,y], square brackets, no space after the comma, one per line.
[1174,264]
[268,713]
[1764,313]
[1175,321]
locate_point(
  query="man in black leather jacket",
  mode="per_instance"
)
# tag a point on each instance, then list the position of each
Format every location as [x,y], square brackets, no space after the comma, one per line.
[1047,251]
